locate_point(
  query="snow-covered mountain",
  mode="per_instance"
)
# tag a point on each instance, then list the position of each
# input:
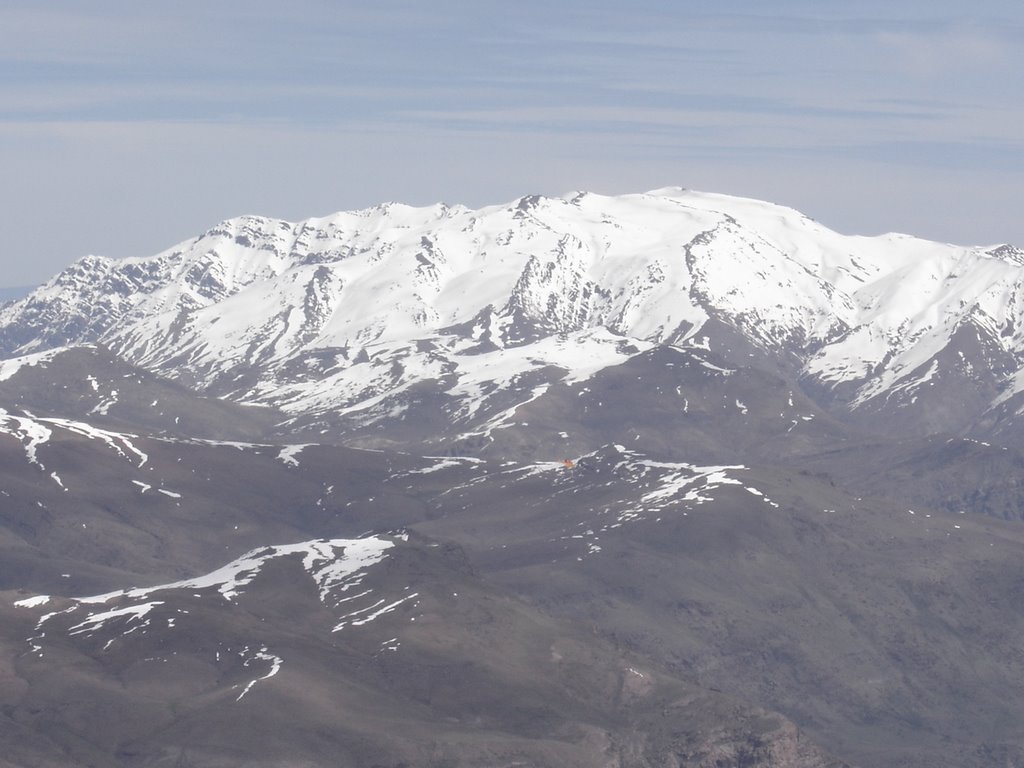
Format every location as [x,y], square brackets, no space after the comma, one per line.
[350,316]
[660,479]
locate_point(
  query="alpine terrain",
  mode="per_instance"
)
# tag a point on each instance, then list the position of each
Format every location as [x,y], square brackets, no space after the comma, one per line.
[669,479]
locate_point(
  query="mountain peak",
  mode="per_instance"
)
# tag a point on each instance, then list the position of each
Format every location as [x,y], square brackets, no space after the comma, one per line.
[416,290]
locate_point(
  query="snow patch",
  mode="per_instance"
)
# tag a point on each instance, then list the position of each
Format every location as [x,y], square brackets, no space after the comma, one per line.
[289,454]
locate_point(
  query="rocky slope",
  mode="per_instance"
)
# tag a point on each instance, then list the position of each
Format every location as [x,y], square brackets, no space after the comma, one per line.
[670,479]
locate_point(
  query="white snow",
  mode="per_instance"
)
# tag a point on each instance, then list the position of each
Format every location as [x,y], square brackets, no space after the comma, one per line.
[96,621]
[12,365]
[33,432]
[443,462]
[369,613]
[33,602]
[103,408]
[647,489]
[28,430]
[345,314]
[111,439]
[694,480]
[335,566]
[331,564]
[262,655]
[289,454]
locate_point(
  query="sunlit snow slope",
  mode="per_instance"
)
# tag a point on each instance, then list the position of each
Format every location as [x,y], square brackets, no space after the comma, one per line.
[347,315]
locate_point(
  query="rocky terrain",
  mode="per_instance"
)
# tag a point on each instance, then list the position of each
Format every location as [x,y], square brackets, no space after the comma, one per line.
[671,479]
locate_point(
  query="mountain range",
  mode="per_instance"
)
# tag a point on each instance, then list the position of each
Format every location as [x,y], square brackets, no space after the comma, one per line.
[666,479]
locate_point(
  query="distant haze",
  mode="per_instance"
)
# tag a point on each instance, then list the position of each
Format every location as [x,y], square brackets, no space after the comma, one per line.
[129,127]
[15,292]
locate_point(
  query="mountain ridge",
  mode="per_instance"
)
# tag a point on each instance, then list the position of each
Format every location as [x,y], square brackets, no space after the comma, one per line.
[675,479]
[347,313]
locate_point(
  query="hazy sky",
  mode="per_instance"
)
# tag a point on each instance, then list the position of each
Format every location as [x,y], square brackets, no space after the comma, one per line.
[126,127]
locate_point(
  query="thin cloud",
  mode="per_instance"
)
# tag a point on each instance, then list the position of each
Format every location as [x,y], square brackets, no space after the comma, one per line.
[948,50]
[154,114]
